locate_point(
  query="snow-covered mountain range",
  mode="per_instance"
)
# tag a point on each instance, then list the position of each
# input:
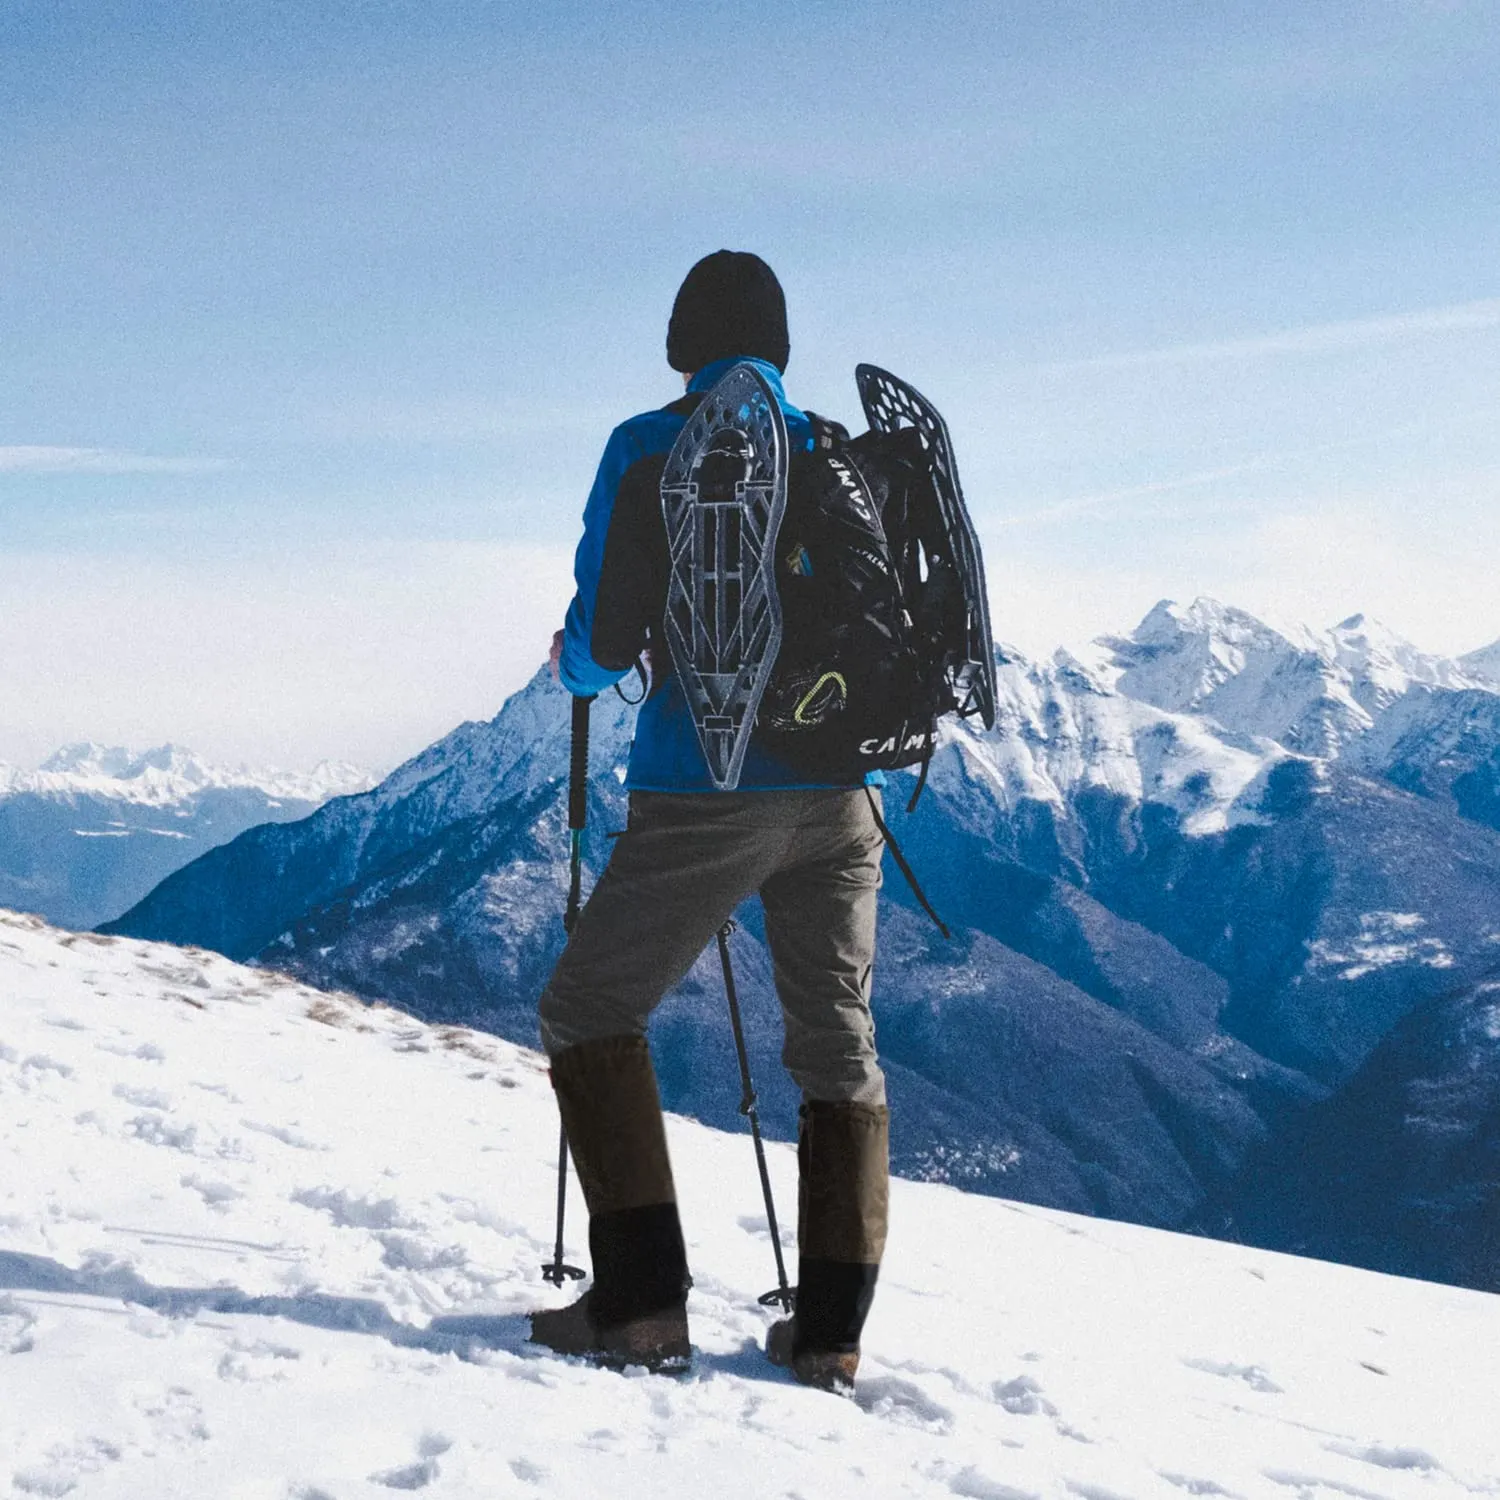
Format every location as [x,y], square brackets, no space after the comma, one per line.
[1197,882]
[93,828]
[1315,693]
[262,1242]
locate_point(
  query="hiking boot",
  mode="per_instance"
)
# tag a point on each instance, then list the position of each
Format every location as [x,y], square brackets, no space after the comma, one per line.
[828,1370]
[842,1153]
[636,1310]
[657,1340]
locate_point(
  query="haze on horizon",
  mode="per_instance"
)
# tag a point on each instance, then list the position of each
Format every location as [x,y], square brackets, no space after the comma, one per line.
[315,321]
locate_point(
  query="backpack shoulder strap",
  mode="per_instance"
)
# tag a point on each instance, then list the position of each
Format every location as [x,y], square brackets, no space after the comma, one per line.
[827,434]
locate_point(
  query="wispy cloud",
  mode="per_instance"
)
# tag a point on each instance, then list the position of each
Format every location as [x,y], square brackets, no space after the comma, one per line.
[1317,338]
[1083,505]
[35,459]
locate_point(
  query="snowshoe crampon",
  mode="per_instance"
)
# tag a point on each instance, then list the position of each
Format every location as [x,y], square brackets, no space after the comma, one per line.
[723,494]
[891,404]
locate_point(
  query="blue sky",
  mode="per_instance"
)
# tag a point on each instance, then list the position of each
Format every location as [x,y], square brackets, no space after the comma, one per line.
[313,320]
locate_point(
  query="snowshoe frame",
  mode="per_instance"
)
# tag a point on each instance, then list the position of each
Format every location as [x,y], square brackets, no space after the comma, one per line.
[891,404]
[723,615]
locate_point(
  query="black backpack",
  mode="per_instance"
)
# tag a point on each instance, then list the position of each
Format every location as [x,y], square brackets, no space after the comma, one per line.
[872,618]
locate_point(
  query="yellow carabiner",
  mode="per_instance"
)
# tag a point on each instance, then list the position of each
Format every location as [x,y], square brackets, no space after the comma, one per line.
[813,692]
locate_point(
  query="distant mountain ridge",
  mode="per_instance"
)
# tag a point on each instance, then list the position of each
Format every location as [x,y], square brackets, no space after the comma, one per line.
[95,827]
[1197,881]
[168,773]
[1314,693]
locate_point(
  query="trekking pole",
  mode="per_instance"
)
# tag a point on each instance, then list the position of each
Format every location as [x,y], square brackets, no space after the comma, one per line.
[557,1270]
[783,1296]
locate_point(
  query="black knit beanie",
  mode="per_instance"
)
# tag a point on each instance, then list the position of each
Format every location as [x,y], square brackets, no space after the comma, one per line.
[730,304]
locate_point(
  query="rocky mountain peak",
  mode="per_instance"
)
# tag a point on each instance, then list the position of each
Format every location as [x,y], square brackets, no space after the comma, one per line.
[1383,665]
[1484,664]
[1255,680]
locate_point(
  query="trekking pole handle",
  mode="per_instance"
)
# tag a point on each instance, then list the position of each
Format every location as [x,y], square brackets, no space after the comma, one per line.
[578,806]
[578,765]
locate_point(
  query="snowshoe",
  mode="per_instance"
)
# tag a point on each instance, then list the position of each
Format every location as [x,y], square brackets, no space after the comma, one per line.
[723,494]
[891,404]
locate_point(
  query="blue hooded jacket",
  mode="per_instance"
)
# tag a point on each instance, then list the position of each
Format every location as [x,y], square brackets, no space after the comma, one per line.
[666,755]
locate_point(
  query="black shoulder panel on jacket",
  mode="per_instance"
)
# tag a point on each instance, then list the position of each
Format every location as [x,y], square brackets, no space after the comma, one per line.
[633,577]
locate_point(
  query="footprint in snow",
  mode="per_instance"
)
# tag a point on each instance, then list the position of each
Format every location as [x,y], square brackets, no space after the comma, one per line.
[146,1051]
[155,1131]
[973,1485]
[214,1193]
[1086,1491]
[40,1063]
[175,1416]
[1383,1457]
[410,1252]
[260,1360]
[1310,1486]
[142,1098]
[1195,1486]
[943,1372]
[353,1211]
[284,1134]
[64,1466]
[1253,1376]
[419,1475]
[16,1324]
[904,1403]
[1022,1397]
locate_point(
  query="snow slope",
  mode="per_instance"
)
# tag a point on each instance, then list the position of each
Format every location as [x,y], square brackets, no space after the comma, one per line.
[259,1242]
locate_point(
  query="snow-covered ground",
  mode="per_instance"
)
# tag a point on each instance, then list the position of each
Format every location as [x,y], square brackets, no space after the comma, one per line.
[262,1243]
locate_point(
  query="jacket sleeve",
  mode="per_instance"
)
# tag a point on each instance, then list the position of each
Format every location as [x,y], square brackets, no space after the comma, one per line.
[580,673]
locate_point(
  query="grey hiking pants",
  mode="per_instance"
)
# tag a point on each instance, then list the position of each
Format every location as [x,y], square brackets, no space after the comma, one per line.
[675,877]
